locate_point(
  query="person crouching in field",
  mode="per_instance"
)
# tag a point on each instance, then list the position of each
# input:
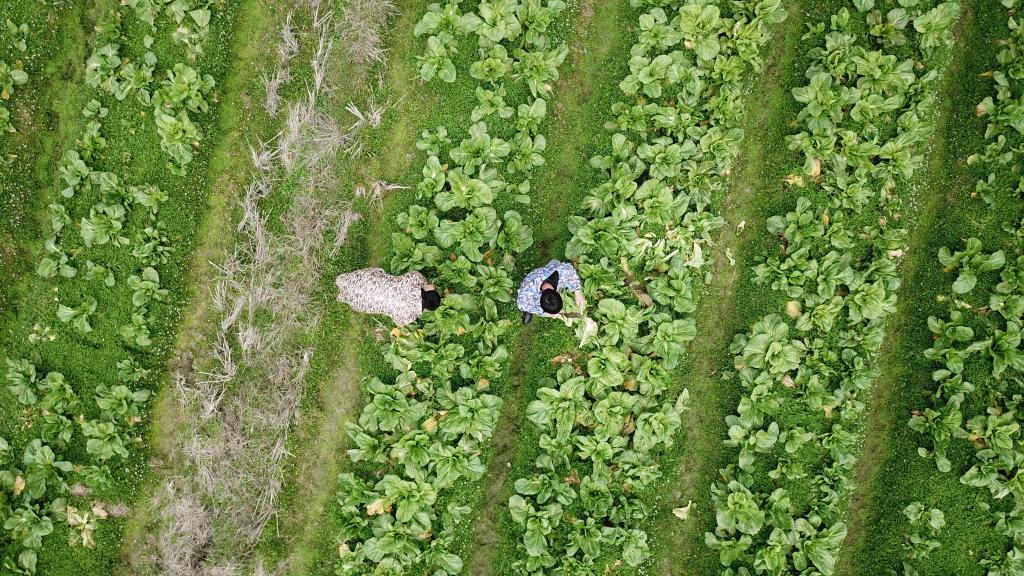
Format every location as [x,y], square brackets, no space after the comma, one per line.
[538,294]
[374,291]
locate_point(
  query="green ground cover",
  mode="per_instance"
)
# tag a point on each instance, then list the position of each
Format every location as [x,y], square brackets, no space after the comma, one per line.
[591,541]
[316,517]
[784,509]
[728,300]
[394,159]
[42,119]
[124,143]
[952,213]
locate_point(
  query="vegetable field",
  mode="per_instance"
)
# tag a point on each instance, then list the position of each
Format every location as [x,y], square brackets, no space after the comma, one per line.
[798,227]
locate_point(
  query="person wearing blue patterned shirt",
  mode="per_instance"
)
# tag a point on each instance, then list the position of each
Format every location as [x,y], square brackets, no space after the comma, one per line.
[539,292]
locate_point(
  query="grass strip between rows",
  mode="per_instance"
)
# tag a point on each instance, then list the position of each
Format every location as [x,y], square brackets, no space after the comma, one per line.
[751,197]
[902,475]
[969,422]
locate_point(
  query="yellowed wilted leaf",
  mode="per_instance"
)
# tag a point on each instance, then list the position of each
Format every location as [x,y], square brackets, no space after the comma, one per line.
[19,485]
[794,180]
[343,549]
[684,512]
[561,358]
[793,309]
[376,507]
[74,519]
[430,424]
[99,511]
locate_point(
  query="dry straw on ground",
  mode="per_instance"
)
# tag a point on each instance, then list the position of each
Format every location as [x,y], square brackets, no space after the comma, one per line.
[361,29]
[241,398]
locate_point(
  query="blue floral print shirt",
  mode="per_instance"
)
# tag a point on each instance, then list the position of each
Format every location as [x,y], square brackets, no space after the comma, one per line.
[529,290]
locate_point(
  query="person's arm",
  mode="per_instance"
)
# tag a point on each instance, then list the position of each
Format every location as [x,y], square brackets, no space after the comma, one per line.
[403,319]
[339,282]
[344,283]
[570,280]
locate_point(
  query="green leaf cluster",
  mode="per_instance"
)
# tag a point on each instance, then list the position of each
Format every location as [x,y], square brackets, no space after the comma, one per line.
[420,434]
[862,128]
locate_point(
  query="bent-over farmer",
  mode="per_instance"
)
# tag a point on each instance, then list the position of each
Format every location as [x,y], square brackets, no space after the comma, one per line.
[374,291]
[539,292]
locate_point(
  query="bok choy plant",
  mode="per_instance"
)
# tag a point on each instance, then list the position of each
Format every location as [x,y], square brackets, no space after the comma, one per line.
[802,377]
[417,442]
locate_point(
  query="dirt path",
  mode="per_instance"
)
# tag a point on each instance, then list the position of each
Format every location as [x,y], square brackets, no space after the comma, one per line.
[941,175]
[694,464]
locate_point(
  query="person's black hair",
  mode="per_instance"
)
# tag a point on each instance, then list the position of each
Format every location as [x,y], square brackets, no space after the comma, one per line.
[552,279]
[551,301]
[431,299]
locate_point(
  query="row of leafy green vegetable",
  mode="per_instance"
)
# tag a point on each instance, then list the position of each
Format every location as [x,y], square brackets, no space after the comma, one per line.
[605,417]
[979,362]
[35,478]
[867,115]
[421,433]
[11,76]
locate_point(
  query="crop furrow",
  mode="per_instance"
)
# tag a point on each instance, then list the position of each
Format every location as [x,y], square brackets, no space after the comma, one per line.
[606,415]
[868,111]
[417,445]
